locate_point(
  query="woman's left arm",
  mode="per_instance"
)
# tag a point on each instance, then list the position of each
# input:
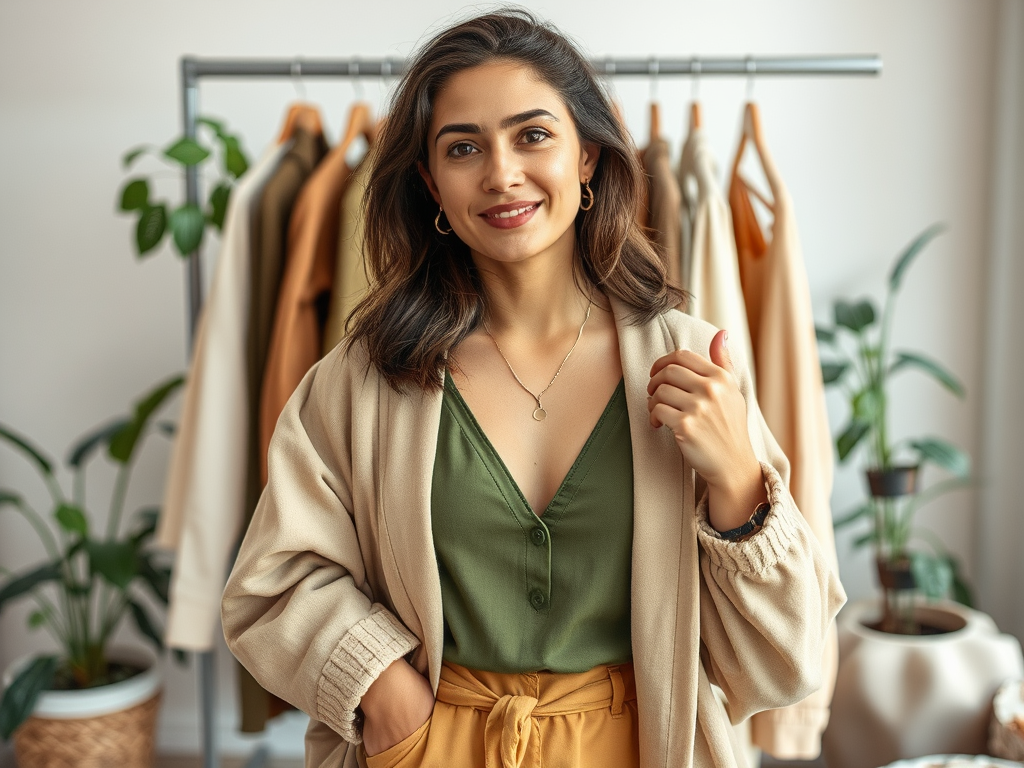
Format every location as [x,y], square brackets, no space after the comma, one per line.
[767,600]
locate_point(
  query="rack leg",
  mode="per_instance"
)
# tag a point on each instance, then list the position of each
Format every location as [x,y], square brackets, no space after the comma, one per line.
[208,708]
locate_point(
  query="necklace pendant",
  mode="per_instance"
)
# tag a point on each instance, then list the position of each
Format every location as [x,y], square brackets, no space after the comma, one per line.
[540,414]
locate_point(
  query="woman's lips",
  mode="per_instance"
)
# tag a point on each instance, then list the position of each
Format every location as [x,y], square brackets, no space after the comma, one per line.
[511,215]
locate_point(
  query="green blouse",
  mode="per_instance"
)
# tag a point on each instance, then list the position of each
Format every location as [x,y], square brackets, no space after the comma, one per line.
[522,593]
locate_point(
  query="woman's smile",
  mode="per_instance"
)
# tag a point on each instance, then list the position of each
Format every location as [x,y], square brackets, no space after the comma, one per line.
[510,215]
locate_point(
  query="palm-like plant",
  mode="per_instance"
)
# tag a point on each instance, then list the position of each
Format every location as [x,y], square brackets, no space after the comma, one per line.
[90,580]
[862,362]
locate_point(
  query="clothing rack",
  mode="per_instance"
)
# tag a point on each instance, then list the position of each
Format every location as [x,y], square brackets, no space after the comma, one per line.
[193,69]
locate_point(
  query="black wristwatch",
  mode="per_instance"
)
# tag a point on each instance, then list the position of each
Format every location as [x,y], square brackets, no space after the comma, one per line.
[756,521]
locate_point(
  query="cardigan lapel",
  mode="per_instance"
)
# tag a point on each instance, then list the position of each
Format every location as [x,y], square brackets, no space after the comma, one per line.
[665,627]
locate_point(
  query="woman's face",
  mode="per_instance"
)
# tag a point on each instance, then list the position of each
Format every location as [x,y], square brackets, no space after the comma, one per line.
[505,161]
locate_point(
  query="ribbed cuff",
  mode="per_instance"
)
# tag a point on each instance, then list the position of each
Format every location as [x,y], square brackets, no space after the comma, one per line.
[360,657]
[764,548]
[793,733]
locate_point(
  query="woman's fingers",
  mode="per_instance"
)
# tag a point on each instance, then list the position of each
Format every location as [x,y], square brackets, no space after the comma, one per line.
[670,402]
[687,359]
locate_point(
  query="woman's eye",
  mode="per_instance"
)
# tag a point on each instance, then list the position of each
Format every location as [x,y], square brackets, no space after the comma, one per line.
[461,150]
[533,135]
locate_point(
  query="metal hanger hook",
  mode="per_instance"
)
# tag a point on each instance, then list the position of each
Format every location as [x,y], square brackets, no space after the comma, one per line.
[300,87]
[751,74]
[653,69]
[357,83]
[695,70]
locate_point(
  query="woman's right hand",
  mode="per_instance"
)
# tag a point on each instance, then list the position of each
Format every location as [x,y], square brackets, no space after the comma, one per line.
[395,706]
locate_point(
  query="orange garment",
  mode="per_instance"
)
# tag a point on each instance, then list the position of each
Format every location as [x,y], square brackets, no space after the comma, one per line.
[585,720]
[297,338]
[792,399]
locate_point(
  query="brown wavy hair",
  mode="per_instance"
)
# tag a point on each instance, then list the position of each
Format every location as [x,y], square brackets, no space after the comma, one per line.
[425,294]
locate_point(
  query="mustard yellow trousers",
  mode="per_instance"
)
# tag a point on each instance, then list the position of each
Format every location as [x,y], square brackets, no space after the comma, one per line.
[493,720]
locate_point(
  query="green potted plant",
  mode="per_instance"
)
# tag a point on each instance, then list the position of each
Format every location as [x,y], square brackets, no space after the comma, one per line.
[859,360]
[92,578]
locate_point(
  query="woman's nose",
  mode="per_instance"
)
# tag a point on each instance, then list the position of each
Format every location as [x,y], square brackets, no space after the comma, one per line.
[503,170]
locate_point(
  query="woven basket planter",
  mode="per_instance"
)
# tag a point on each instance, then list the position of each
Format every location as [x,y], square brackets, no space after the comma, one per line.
[113,726]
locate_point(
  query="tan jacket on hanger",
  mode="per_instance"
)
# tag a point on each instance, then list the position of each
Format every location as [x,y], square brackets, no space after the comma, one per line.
[350,278]
[791,395]
[663,204]
[204,502]
[337,575]
[709,250]
[297,337]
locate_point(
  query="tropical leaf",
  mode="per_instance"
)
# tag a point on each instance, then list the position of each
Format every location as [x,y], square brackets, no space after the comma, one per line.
[932,574]
[72,519]
[833,372]
[865,540]
[944,454]
[824,335]
[123,442]
[135,195]
[851,436]
[866,405]
[187,151]
[115,561]
[150,228]
[235,161]
[146,521]
[132,155]
[187,224]
[864,510]
[84,447]
[34,454]
[929,366]
[219,205]
[216,125]
[857,316]
[26,582]
[21,695]
[145,624]
[156,577]
[910,252]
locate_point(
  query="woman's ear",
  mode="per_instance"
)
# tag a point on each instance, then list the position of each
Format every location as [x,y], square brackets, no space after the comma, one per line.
[429,180]
[589,154]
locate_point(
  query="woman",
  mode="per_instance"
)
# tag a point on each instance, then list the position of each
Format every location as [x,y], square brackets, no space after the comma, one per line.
[528,513]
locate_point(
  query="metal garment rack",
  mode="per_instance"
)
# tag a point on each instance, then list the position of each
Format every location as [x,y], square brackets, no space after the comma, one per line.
[194,69]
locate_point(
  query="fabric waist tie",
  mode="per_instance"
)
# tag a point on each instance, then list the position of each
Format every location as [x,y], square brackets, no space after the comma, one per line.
[513,701]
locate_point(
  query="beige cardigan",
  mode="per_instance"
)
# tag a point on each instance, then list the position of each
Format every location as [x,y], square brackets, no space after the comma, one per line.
[337,577]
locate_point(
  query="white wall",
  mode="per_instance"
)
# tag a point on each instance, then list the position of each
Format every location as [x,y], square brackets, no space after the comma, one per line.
[870,162]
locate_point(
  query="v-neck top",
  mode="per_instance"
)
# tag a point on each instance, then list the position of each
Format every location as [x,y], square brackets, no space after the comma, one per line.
[522,592]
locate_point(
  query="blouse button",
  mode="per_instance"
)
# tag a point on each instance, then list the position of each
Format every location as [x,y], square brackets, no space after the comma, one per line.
[538,535]
[537,599]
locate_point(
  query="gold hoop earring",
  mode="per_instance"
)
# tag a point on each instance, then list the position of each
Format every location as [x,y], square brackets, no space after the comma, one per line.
[437,223]
[588,196]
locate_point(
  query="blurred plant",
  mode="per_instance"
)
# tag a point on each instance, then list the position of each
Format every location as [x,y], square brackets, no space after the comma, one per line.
[862,363]
[90,580]
[187,222]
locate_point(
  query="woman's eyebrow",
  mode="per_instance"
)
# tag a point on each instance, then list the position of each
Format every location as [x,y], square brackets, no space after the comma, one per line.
[505,123]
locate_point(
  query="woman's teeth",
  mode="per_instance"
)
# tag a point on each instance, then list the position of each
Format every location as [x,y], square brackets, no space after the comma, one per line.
[510,214]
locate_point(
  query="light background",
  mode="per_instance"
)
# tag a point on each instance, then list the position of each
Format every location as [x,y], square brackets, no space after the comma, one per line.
[870,162]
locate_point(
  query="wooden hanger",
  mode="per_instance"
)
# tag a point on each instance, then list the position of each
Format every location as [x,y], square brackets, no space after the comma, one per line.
[655,122]
[360,123]
[751,132]
[695,115]
[301,116]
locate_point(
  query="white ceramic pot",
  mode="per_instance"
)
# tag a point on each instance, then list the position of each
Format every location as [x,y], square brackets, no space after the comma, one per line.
[112,725]
[903,696]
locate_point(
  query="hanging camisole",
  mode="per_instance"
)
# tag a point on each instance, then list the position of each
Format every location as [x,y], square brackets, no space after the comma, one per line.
[522,593]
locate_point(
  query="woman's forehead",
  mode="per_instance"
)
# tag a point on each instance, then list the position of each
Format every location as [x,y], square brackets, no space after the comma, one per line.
[488,93]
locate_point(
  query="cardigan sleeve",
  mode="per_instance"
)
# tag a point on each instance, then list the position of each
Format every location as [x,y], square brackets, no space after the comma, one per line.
[766,602]
[298,610]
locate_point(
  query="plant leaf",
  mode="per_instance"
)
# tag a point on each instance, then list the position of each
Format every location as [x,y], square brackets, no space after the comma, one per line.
[911,251]
[147,519]
[863,541]
[169,428]
[187,225]
[961,589]
[833,372]
[219,205]
[865,405]
[21,695]
[33,453]
[157,578]
[932,574]
[145,624]
[115,561]
[135,195]
[132,155]
[216,125]
[72,519]
[235,162]
[26,582]
[36,619]
[943,453]
[852,435]
[824,335]
[862,511]
[857,316]
[180,656]
[123,442]
[84,447]
[929,366]
[187,151]
[150,228]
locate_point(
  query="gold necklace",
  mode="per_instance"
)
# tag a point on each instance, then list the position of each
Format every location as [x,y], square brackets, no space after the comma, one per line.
[539,414]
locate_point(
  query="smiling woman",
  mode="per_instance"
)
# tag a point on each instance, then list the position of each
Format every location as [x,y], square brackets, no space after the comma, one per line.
[528,512]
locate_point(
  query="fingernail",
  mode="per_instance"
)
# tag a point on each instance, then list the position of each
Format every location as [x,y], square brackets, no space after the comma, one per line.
[725,340]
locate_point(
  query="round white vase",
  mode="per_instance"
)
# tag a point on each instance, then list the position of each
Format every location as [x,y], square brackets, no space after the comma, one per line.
[904,696]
